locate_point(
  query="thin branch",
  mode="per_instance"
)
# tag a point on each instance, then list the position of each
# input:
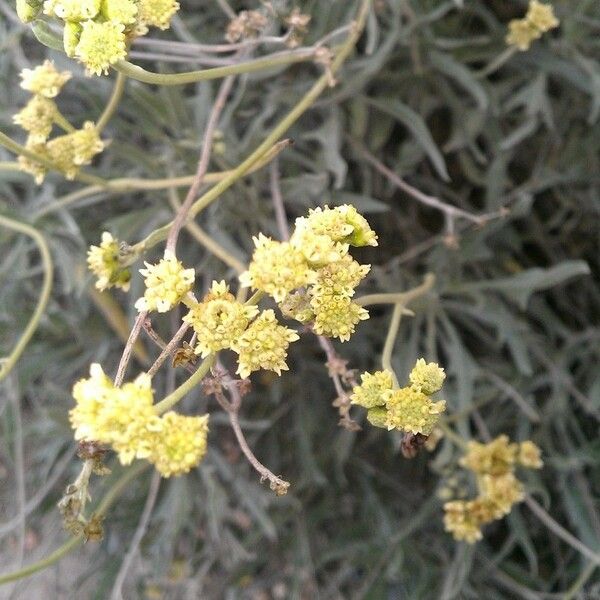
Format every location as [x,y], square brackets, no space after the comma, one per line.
[211,126]
[135,331]
[168,350]
[113,102]
[277,198]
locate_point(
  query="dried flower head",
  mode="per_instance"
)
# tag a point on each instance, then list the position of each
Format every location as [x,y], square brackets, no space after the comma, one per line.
[157,13]
[166,284]
[427,377]
[247,24]
[495,458]
[277,268]
[180,443]
[409,409]
[37,118]
[371,391]
[104,262]
[44,80]
[219,320]
[264,345]
[101,45]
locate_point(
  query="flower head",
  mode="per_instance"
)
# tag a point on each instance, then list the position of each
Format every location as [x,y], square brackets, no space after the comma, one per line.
[101,45]
[502,492]
[277,268]
[337,316]
[72,150]
[37,117]
[460,519]
[157,13]
[166,284]
[34,168]
[120,11]
[219,320]
[530,455]
[341,224]
[427,377]
[180,443]
[44,79]
[103,261]
[318,249]
[541,16]
[371,391]
[340,277]
[412,411]
[72,10]
[495,458]
[521,33]
[264,345]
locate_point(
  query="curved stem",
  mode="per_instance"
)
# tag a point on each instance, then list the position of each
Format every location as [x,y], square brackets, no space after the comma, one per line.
[497,62]
[174,397]
[113,102]
[388,348]
[258,64]
[399,298]
[269,145]
[72,543]
[8,364]
[63,123]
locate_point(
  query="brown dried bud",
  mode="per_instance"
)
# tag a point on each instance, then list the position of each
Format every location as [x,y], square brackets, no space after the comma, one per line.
[93,530]
[184,356]
[411,444]
[248,23]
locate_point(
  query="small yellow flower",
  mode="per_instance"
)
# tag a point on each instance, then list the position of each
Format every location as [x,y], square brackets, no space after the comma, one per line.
[180,443]
[318,250]
[412,411]
[340,278]
[529,455]
[101,45]
[103,261]
[495,458]
[157,13]
[219,320]
[34,168]
[72,10]
[541,16]
[37,118]
[459,519]
[502,491]
[521,33]
[121,11]
[264,345]
[44,79]
[427,377]
[341,224]
[337,316]
[277,268]
[370,392]
[28,10]
[72,150]
[167,282]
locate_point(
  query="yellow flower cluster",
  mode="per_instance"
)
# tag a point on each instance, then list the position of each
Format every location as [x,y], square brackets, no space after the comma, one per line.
[167,282]
[312,277]
[538,20]
[408,409]
[124,418]
[104,261]
[219,320]
[67,152]
[98,32]
[498,488]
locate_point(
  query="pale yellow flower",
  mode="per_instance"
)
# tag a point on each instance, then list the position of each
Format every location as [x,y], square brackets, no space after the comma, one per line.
[541,16]
[167,282]
[412,411]
[101,45]
[219,320]
[37,118]
[427,377]
[72,10]
[340,278]
[71,36]
[337,316]
[157,13]
[277,268]
[44,79]
[103,261]
[521,33]
[318,250]
[530,455]
[34,168]
[503,491]
[180,443]
[495,458]
[28,10]
[264,345]
[121,11]
[459,519]
[373,386]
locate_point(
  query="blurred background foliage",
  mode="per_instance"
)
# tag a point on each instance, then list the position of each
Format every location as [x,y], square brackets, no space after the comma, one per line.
[514,317]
